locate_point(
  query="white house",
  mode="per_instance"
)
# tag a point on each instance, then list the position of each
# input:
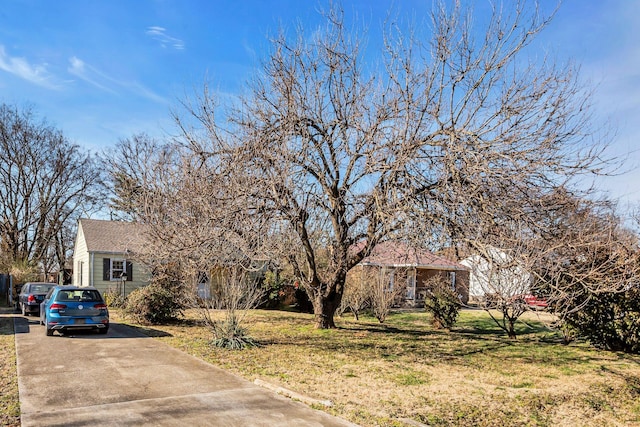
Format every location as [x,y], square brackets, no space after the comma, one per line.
[496,272]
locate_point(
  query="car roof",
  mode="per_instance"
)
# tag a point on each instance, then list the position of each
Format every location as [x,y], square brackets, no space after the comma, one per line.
[76,288]
[41,283]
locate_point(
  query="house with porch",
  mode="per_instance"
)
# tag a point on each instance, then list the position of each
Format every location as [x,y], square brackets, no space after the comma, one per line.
[414,268]
[102,256]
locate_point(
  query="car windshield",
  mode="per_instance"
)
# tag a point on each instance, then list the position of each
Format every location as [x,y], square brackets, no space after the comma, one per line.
[41,289]
[79,295]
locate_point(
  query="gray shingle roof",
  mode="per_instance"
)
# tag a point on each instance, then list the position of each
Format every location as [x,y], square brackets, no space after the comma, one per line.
[112,236]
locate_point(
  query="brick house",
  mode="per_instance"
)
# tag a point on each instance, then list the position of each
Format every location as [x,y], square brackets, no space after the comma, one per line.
[414,268]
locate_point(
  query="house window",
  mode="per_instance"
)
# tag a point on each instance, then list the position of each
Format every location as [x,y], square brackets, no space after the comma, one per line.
[117,269]
[453,281]
[113,269]
[203,289]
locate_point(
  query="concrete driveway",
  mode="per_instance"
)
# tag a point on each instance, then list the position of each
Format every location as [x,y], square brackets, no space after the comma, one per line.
[125,378]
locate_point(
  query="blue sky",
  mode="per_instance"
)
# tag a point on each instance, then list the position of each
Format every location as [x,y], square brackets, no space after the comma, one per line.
[104,70]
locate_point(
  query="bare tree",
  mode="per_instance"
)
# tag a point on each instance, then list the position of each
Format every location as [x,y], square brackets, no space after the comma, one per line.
[569,252]
[452,131]
[45,183]
[386,288]
[503,276]
[133,164]
[195,229]
[357,293]
[588,254]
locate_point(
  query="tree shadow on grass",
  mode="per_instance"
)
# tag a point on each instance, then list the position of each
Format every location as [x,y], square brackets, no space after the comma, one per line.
[389,341]
[150,332]
[534,344]
[632,381]
[6,326]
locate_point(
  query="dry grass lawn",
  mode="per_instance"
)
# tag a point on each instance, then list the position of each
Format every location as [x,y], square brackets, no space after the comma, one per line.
[383,375]
[9,399]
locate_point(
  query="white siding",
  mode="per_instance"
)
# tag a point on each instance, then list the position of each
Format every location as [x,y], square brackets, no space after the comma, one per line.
[80,258]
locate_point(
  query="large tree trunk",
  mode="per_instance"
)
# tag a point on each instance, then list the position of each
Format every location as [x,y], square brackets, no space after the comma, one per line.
[325,305]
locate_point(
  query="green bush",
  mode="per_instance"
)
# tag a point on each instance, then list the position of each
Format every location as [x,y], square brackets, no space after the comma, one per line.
[231,336]
[154,304]
[443,304]
[611,321]
[273,287]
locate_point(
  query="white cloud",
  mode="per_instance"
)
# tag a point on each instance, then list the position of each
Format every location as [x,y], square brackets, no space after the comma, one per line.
[20,67]
[92,75]
[159,34]
[145,92]
[89,74]
[77,66]
[155,30]
[249,50]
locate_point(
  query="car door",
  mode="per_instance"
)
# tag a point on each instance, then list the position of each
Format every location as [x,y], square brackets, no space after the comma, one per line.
[44,304]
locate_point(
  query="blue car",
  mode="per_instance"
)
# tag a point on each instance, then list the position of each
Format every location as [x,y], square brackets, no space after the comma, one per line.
[68,308]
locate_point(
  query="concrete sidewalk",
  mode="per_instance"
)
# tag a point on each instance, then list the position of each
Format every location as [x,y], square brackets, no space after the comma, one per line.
[127,379]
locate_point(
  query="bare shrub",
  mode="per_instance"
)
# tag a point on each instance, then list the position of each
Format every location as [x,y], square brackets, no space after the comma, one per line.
[234,291]
[357,294]
[385,290]
[114,298]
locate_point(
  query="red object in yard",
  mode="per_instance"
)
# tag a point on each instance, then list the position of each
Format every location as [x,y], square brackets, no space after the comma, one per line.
[534,301]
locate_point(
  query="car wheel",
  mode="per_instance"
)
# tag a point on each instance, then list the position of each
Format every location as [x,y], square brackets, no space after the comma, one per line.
[46,328]
[103,330]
